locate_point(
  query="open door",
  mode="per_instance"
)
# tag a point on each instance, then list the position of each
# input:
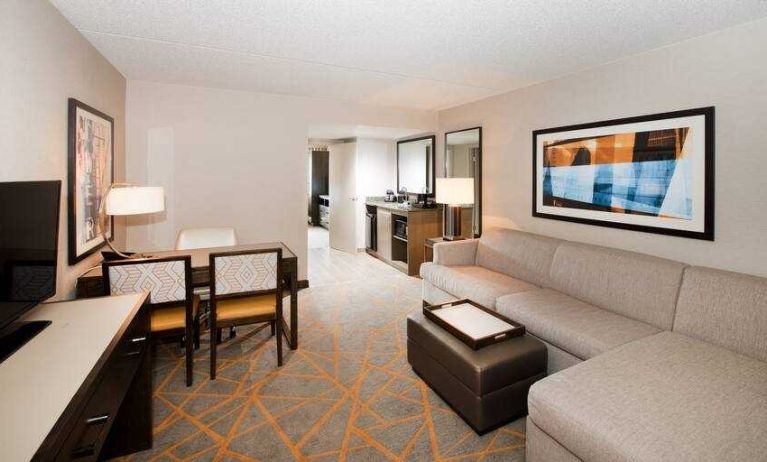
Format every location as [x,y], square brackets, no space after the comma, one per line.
[343,197]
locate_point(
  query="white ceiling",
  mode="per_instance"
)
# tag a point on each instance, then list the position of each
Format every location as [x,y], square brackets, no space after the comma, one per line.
[409,53]
[341,131]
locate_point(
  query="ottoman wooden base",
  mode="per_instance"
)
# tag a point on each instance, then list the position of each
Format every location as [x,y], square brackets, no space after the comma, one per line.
[446,365]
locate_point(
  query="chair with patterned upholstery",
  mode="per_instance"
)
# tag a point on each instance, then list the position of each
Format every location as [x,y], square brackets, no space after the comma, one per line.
[174,308]
[203,238]
[245,288]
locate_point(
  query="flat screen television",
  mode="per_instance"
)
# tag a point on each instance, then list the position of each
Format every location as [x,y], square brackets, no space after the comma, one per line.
[29,224]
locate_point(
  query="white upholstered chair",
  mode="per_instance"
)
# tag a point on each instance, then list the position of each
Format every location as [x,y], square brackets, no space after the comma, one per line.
[202,238]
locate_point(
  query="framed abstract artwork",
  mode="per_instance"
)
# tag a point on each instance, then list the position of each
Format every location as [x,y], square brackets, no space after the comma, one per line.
[651,173]
[91,171]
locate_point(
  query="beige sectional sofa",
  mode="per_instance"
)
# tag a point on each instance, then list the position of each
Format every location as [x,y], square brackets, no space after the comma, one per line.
[649,359]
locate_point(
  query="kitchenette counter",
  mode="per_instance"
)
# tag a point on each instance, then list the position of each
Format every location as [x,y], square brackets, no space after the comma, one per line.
[400,233]
[398,208]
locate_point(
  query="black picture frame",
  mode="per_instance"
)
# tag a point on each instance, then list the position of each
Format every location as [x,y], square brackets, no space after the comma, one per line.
[75,255]
[477,174]
[433,183]
[707,233]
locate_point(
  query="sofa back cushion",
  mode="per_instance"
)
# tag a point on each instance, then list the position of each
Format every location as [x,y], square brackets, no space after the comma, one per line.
[635,285]
[724,308]
[517,254]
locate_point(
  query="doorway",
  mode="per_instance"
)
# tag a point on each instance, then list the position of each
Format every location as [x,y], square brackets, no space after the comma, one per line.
[319,196]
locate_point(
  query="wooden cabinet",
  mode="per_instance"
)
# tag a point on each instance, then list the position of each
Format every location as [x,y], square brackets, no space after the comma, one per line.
[383,227]
[82,390]
[116,418]
[405,254]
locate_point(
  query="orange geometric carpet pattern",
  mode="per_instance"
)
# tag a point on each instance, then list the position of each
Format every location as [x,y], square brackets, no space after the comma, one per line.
[347,393]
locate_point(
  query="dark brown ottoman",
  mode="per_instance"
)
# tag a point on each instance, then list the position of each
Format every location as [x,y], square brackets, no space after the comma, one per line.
[487,387]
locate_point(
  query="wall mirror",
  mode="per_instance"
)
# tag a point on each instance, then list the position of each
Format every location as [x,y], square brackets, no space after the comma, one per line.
[463,159]
[415,165]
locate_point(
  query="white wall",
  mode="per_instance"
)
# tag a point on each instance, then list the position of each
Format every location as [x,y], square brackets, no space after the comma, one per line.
[727,69]
[44,61]
[236,158]
[376,172]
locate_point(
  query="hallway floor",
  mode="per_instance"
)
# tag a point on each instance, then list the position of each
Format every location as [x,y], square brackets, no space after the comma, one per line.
[319,237]
[347,393]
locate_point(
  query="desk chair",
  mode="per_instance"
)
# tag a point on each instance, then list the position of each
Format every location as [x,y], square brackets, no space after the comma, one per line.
[202,238]
[245,288]
[174,308]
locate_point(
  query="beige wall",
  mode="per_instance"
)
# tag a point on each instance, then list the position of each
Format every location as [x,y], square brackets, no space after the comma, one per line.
[727,70]
[233,158]
[43,62]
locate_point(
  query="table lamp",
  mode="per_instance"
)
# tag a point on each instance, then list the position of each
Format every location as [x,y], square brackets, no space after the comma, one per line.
[123,199]
[454,193]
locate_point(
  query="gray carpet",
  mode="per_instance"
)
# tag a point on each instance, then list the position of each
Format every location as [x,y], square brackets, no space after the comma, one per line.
[347,393]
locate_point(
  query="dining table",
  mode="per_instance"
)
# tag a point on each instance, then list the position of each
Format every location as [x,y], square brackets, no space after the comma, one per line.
[91,283]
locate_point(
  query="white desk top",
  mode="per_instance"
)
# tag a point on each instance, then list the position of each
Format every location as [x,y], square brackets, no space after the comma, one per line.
[39,380]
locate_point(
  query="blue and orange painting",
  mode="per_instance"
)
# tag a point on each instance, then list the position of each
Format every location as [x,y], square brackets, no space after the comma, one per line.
[643,173]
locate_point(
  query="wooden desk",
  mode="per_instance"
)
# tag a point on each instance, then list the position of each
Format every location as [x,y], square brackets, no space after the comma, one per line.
[91,284]
[82,388]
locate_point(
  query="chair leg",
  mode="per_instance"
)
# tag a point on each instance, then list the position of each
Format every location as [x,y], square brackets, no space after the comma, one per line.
[232,333]
[279,343]
[272,324]
[189,352]
[197,333]
[214,340]
[219,335]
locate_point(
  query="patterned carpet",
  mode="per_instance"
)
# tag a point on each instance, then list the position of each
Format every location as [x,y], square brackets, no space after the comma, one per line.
[347,393]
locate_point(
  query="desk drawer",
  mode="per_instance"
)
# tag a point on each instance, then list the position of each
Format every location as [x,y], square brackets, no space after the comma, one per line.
[91,427]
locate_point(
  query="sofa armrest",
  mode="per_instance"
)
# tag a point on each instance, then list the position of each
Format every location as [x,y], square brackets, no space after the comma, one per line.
[456,253]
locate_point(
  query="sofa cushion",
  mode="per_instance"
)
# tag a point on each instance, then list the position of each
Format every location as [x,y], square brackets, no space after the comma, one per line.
[638,286]
[580,329]
[725,308]
[517,254]
[433,295]
[667,397]
[456,253]
[473,282]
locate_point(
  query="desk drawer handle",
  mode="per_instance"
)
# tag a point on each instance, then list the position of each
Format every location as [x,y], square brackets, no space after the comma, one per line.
[138,339]
[97,419]
[131,354]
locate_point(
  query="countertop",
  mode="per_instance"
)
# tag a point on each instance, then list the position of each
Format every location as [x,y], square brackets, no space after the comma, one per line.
[395,207]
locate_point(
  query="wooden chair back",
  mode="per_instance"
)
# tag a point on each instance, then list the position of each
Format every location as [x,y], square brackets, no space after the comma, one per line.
[168,280]
[245,273]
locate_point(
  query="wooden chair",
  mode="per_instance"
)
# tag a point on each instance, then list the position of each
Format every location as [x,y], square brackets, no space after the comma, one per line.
[245,288]
[174,308]
[203,238]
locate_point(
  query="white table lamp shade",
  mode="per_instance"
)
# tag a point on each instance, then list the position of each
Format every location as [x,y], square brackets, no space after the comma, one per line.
[455,191]
[135,200]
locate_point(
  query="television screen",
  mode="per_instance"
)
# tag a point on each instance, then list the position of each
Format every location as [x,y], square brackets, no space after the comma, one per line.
[29,223]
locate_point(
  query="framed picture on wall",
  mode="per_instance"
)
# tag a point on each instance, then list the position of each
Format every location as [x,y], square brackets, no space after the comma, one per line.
[91,171]
[651,173]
